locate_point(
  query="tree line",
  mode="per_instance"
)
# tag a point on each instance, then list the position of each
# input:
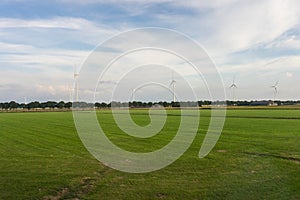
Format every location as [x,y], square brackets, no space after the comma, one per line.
[12,105]
[34,105]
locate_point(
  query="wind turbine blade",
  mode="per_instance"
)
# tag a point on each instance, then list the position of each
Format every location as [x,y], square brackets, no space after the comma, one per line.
[173,80]
[233,86]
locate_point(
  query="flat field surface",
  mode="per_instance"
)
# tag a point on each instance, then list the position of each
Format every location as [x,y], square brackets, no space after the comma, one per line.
[256,157]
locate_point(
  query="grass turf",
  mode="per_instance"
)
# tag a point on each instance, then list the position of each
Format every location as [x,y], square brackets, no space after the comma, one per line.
[257,157]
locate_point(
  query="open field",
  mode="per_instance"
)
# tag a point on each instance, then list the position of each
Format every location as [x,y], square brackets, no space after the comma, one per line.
[257,157]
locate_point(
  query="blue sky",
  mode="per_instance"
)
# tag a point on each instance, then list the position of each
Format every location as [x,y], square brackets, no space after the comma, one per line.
[42,41]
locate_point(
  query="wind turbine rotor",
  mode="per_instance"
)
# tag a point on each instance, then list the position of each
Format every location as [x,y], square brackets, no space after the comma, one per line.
[275,86]
[233,86]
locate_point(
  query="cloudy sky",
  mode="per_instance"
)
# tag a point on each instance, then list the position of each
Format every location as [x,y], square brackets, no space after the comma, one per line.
[41,42]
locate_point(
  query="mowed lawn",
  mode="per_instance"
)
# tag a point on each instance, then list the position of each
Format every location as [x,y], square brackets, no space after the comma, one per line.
[257,157]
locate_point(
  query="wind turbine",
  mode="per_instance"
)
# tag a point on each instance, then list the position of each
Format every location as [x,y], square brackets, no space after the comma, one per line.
[76,75]
[275,86]
[132,94]
[173,87]
[233,87]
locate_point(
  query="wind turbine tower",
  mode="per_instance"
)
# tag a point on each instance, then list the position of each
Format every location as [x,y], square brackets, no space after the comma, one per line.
[133,95]
[233,88]
[173,87]
[275,86]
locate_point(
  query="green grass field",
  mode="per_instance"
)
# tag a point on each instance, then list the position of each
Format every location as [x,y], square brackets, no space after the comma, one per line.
[257,157]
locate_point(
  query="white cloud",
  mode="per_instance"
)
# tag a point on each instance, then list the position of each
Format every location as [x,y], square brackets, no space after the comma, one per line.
[212,4]
[233,26]
[115,1]
[289,74]
[33,56]
[54,31]
[35,53]
[43,63]
[37,73]
[262,66]
[57,22]
[52,89]
[285,43]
